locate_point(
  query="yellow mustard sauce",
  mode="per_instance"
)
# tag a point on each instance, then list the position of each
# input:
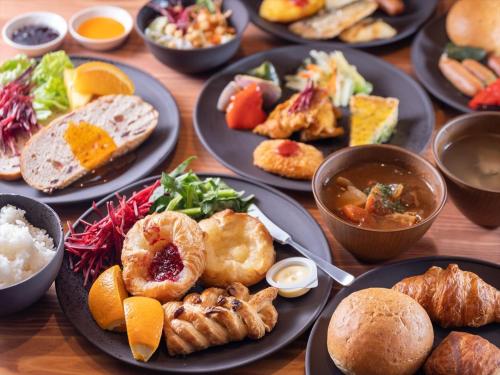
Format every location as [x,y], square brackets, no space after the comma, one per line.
[101,28]
[91,145]
[290,275]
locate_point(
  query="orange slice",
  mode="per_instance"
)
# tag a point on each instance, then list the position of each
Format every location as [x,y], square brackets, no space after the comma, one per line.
[100,78]
[106,300]
[144,319]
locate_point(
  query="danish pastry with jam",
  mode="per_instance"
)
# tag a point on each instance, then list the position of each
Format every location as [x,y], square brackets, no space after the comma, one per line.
[163,256]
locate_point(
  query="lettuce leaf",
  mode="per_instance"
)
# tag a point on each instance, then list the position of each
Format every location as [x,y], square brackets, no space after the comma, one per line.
[49,92]
[13,68]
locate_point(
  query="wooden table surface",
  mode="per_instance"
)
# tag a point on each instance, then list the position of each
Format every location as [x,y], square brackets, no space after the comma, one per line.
[40,340]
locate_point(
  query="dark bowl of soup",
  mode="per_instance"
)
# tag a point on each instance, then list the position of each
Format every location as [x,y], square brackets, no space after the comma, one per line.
[467,151]
[378,200]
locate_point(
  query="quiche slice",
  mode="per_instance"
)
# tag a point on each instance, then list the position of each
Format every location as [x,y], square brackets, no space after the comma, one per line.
[373,119]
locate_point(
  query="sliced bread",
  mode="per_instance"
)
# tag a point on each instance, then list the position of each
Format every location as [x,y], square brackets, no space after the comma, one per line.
[10,165]
[48,162]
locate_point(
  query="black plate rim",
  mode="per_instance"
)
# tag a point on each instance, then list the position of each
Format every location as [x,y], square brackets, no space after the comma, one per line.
[418,69]
[328,46]
[319,307]
[341,293]
[262,24]
[169,146]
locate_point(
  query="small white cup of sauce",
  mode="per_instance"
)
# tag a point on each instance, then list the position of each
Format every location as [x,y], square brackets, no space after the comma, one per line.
[293,277]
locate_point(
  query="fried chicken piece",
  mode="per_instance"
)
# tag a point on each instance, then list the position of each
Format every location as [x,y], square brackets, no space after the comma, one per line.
[287,158]
[316,122]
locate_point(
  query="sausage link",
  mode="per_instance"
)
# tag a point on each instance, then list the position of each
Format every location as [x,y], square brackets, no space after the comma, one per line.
[392,7]
[479,70]
[459,76]
[494,63]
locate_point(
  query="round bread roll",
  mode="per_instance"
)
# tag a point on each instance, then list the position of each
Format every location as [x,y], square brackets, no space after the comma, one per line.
[379,331]
[239,249]
[475,23]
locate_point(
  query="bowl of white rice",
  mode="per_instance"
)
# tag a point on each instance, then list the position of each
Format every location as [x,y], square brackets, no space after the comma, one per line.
[31,251]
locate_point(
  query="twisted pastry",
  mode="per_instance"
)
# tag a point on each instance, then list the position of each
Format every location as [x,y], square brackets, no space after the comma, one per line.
[452,297]
[218,316]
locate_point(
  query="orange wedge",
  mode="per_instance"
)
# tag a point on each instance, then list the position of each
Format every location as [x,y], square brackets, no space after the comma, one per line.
[100,78]
[144,319]
[106,300]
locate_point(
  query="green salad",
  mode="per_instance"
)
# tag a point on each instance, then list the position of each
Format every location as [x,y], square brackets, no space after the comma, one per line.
[199,198]
[48,91]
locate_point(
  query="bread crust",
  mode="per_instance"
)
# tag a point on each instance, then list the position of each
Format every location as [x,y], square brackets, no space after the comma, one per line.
[475,23]
[153,234]
[378,331]
[462,353]
[239,249]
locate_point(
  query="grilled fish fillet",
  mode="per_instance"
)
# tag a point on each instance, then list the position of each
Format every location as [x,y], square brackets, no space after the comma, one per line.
[332,22]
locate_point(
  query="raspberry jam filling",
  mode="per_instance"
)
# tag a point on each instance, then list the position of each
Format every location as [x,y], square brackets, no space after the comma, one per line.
[166,264]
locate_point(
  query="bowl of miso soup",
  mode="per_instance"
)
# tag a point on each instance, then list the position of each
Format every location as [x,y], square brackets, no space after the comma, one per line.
[378,200]
[467,151]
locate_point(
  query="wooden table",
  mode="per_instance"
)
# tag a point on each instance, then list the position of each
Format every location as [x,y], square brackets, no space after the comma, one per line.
[41,341]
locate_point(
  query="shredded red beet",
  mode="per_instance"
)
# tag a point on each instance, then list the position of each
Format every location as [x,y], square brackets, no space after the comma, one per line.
[17,115]
[175,13]
[99,245]
[167,264]
[304,100]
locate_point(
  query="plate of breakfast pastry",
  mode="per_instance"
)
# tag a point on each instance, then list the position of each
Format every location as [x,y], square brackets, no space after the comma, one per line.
[274,116]
[457,56]
[176,273]
[74,125]
[434,316]
[360,23]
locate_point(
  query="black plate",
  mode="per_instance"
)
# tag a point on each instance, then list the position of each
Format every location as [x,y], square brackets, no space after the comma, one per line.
[427,47]
[415,14]
[295,315]
[318,360]
[146,157]
[234,148]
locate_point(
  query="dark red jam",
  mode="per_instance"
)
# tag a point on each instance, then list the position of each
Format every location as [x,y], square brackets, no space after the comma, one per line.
[166,264]
[288,148]
[32,35]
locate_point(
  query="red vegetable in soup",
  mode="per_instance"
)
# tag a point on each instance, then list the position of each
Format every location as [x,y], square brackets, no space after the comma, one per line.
[379,196]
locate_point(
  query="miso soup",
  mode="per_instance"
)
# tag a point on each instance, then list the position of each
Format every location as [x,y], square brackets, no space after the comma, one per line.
[475,160]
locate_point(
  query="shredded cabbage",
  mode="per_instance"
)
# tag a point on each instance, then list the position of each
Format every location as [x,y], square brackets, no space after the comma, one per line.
[13,68]
[49,92]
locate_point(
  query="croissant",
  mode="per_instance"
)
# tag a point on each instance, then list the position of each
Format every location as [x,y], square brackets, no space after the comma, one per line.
[452,297]
[218,316]
[461,353]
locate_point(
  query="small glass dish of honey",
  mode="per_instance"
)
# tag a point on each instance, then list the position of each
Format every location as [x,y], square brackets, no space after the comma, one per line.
[101,28]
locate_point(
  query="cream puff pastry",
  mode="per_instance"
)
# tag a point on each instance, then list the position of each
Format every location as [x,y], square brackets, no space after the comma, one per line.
[239,249]
[163,256]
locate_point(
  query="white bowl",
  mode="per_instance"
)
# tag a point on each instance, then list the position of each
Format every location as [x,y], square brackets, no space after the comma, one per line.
[116,13]
[52,20]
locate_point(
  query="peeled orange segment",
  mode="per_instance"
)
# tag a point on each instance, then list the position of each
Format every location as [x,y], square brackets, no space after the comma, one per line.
[144,319]
[106,300]
[100,78]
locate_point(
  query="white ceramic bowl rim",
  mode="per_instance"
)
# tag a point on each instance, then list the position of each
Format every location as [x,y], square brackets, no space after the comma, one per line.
[309,282]
[101,11]
[61,27]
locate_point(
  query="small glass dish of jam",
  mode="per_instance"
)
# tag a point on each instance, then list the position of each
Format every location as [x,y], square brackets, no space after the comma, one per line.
[36,33]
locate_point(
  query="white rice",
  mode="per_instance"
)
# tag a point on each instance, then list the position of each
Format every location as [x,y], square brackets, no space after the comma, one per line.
[24,249]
